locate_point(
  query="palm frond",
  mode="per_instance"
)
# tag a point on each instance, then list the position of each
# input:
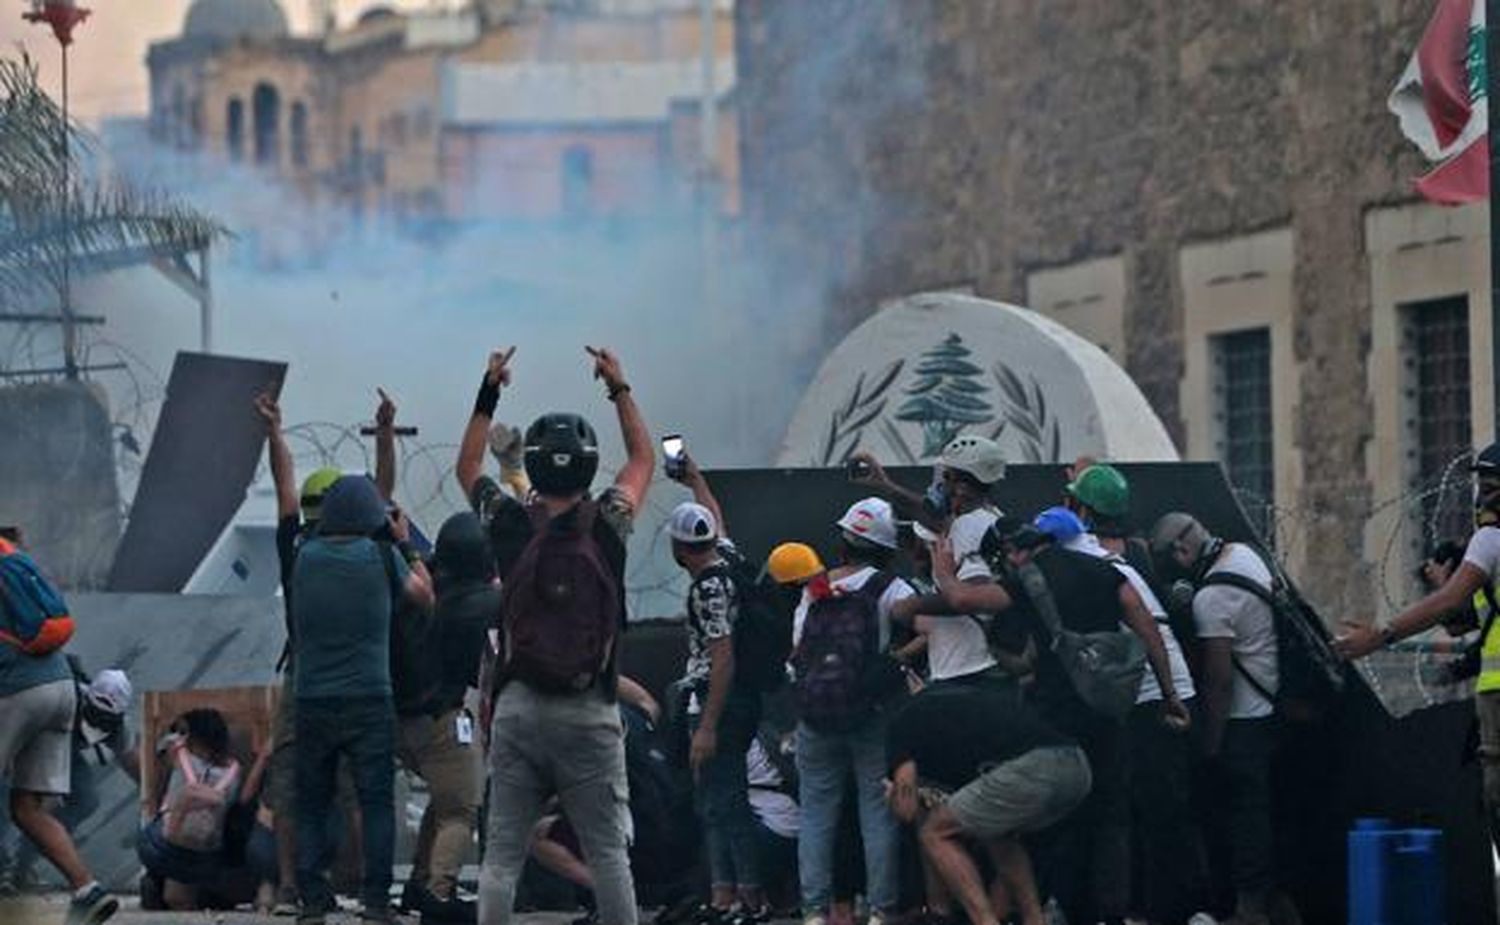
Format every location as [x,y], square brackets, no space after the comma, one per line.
[55,215]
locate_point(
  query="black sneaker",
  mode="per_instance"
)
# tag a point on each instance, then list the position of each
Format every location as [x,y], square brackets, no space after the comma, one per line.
[590,917]
[750,915]
[92,908]
[453,909]
[708,914]
[378,915]
[678,913]
[411,898]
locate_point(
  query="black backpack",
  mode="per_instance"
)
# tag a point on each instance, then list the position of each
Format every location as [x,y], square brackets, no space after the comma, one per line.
[762,628]
[842,676]
[1312,676]
[414,660]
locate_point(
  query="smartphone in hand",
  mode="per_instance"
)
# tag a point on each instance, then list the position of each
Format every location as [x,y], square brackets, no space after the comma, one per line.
[674,451]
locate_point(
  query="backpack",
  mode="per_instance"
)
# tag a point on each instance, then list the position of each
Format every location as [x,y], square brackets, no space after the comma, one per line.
[200,809]
[33,615]
[1105,667]
[560,608]
[841,673]
[1312,676]
[414,660]
[762,628]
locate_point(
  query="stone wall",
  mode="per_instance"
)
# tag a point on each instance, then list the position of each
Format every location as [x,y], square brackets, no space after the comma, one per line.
[890,147]
[57,479]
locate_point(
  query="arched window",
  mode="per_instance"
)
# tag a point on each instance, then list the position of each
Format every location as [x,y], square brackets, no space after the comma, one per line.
[577,180]
[195,122]
[266,103]
[179,116]
[234,128]
[299,134]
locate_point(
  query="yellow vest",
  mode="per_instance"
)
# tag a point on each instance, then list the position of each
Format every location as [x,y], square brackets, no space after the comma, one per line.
[1489,646]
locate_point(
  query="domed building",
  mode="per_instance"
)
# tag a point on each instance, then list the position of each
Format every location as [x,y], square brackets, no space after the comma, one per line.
[231,20]
[414,114]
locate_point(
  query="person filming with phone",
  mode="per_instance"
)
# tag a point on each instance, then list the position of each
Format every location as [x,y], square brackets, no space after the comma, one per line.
[722,712]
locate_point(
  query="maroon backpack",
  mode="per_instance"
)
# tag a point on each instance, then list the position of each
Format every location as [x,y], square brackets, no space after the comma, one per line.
[842,675]
[561,605]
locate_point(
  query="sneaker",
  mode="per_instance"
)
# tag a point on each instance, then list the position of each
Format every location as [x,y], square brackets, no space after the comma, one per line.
[589,917]
[311,918]
[876,918]
[677,913]
[815,920]
[751,915]
[1202,918]
[411,897]
[708,914]
[453,909]
[378,915]
[93,907]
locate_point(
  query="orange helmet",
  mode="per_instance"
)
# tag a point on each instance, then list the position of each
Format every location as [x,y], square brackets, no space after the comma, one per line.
[793,563]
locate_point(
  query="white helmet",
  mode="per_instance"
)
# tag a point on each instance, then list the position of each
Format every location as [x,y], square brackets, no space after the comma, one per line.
[872,521]
[978,456]
[110,691]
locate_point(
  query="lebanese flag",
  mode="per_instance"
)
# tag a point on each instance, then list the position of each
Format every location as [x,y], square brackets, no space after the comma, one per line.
[1441,103]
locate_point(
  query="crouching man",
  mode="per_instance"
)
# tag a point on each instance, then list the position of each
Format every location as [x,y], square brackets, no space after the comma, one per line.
[1008,774]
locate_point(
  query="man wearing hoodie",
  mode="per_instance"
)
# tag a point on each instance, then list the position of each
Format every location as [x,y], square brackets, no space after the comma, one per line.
[344,584]
[438,743]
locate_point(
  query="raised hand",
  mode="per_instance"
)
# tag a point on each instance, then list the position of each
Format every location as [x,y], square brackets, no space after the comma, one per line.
[385,414]
[607,367]
[499,368]
[269,411]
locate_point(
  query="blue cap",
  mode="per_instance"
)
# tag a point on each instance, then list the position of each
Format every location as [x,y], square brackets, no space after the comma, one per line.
[1059,523]
[352,507]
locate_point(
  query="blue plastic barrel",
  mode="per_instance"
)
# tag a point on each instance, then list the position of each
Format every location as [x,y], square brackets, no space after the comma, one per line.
[1416,877]
[1369,855]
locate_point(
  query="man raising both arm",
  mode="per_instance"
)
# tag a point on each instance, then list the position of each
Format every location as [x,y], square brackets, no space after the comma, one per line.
[555,726]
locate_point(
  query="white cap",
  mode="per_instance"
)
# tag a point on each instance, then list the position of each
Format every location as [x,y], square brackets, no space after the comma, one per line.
[110,691]
[871,520]
[692,523]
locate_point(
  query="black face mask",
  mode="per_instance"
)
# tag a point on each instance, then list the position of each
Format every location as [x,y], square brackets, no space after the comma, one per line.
[1487,502]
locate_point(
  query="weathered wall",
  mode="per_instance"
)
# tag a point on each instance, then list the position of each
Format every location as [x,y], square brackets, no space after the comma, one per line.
[949,142]
[57,478]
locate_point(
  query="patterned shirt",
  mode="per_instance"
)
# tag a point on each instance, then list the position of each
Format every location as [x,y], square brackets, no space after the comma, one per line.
[712,609]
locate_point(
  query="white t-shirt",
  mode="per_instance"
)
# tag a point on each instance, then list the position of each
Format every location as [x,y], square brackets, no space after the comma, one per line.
[1222,612]
[957,645]
[897,590]
[1182,678]
[775,809]
[1484,551]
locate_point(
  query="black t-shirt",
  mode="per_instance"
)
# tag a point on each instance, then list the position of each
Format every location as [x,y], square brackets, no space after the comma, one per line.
[465,611]
[509,528]
[1087,593]
[954,733]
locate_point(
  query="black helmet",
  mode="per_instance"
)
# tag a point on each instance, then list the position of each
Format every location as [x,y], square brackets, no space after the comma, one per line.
[1487,460]
[562,454]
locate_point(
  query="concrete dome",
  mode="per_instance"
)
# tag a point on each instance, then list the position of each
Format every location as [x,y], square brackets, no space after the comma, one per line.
[235,19]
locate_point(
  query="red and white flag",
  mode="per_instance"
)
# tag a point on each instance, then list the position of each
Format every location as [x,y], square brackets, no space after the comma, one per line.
[1441,102]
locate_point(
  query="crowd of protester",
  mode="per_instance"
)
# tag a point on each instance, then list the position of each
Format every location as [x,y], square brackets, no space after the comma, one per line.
[967,714]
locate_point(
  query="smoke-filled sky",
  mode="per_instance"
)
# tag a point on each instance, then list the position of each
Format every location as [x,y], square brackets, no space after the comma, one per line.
[108,58]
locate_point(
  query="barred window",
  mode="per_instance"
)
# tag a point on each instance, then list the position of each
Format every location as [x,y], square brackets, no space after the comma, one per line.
[1242,362]
[1437,362]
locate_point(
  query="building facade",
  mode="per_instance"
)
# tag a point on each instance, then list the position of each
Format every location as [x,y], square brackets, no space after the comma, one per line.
[1212,191]
[504,110]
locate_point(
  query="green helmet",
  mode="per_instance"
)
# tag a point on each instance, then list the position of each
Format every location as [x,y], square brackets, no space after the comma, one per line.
[1102,489]
[314,487]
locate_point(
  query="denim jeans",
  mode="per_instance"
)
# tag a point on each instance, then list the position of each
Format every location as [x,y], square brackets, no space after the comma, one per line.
[823,762]
[363,731]
[721,796]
